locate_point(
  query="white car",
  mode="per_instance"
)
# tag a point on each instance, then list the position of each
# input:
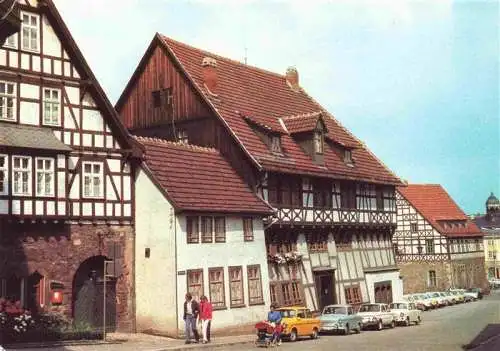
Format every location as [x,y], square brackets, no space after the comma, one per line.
[441,300]
[421,301]
[376,315]
[406,313]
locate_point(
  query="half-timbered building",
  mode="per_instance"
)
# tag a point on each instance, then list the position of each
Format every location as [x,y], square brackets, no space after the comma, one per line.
[66,175]
[199,228]
[330,238]
[437,246]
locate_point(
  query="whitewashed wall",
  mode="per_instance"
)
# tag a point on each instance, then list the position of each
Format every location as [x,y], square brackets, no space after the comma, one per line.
[392,276]
[234,252]
[155,281]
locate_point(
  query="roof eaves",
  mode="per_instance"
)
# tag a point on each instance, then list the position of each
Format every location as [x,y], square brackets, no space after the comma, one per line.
[208,101]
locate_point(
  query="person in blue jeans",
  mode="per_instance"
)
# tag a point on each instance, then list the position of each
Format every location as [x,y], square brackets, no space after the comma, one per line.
[275,317]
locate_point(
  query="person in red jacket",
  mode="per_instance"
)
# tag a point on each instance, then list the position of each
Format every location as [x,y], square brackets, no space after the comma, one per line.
[205,318]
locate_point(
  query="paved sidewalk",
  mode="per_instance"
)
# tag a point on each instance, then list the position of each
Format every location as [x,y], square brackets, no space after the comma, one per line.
[144,342]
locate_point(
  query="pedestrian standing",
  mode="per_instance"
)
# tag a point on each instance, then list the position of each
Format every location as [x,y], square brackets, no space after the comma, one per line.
[206,318]
[191,312]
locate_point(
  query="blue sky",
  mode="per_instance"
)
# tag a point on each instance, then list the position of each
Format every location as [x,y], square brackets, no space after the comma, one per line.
[417,81]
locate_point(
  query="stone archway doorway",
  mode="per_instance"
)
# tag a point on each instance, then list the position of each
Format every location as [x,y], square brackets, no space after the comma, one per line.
[88,295]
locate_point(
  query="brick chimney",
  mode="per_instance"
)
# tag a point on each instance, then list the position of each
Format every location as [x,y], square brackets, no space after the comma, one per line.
[209,65]
[292,78]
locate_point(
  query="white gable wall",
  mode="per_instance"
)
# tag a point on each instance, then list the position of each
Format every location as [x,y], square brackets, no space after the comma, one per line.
[155,276]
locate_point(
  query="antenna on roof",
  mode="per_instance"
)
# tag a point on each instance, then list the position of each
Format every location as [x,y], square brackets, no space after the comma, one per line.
[246,50]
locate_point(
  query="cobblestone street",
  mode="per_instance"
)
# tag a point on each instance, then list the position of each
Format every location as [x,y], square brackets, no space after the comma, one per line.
[446,329]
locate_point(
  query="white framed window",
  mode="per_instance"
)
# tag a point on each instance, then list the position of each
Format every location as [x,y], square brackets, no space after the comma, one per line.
[3,174]
[319,139]
[44,176]
[51,106]
[275,144]
[93,179]
[21,175]
[7,101]
[30,31]
[11,42]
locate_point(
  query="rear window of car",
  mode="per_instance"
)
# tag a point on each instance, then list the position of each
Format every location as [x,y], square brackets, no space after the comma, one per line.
[288,313]
[399,306]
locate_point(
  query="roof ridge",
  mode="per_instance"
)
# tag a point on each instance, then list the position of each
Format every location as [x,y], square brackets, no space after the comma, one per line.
[215,55]
[176,143]
[301,115]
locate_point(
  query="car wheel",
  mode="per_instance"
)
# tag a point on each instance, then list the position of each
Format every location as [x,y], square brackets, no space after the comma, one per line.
[293,335]
[358,330]
[380,326]
[419,320]
[407,321]
[347,330]
[393,324]
[314,334]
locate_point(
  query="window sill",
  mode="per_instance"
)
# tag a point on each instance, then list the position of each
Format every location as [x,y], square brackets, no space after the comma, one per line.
[55,125]
[247,240]
[220,308]
[238,306]
[8,120]
[260,303]
[21,194]
[193,242]
[93,197]
[31,51]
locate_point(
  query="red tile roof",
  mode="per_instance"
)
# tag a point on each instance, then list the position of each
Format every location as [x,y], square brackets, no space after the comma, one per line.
[436,206]
[199,179]
[301,123]
[265,96]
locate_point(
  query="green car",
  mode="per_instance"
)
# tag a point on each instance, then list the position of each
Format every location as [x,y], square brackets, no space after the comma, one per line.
[340,318]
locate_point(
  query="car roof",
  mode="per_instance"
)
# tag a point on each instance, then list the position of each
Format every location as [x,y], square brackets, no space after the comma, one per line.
[291,308]
[338,306]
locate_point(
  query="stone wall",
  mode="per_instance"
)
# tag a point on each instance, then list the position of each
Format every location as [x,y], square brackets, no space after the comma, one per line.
[56,251]
[464,273]
[416,276]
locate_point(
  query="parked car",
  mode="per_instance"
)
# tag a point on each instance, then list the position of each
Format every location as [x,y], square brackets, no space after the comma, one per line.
[476,292]
[376,315]
[450,300]
[468,296]
[458,295]
[340,318]
[422,302]
[432,299]
[441,300]
[406,313]
[298,322]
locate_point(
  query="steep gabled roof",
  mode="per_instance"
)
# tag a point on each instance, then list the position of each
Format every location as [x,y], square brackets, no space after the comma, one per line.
[249,96]
[64,35]
[437,207]
[199,179]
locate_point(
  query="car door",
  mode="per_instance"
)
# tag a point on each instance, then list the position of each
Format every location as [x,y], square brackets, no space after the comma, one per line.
[310,322]
[387,315]
[301,322]
[412,312]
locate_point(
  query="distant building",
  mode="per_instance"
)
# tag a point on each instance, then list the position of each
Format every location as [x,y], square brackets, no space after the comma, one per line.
[490,226]
[437,247]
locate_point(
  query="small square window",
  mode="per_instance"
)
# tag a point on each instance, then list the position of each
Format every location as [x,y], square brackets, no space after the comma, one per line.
[413,227]
[348,157]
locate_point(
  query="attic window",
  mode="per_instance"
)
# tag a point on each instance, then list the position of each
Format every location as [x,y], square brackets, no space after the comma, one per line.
[182,136]
[162,97]
[275,144]
[348,157]
[318,142]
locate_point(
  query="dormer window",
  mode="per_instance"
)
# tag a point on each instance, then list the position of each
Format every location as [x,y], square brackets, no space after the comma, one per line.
[162,98]
[348,157]
[319,139]
[275,144]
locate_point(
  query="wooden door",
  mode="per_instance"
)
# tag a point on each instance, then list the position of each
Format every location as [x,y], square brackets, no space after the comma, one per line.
[325,288]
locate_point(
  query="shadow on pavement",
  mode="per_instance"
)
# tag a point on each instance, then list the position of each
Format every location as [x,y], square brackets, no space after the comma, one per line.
[487,337]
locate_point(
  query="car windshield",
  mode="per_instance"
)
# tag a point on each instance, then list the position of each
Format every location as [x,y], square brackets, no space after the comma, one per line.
[454,292]
[399,306]
[335,310]
[435,295]
[288,313]
[370,308]
[420,297]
